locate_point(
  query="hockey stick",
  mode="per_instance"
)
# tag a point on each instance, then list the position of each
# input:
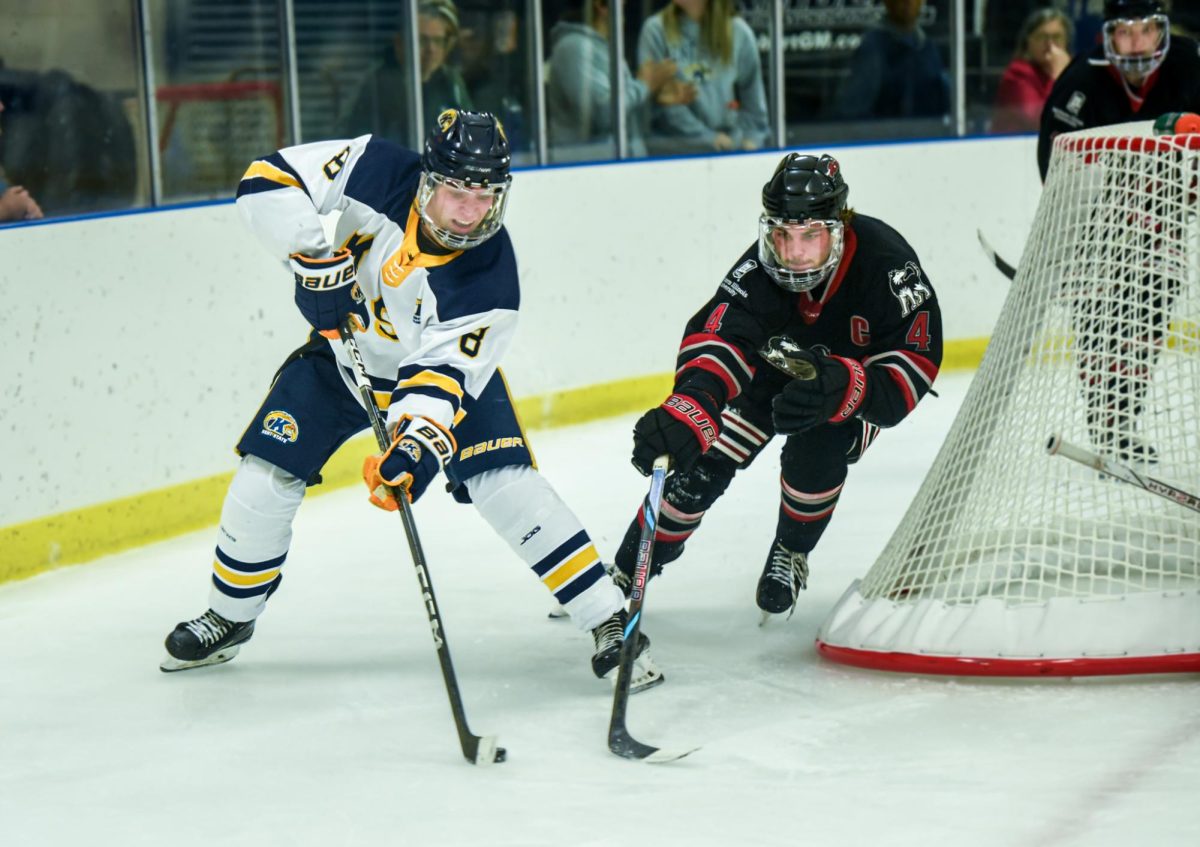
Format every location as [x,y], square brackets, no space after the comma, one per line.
[619,739]
[479,750]
[1001,265]
[1057,447]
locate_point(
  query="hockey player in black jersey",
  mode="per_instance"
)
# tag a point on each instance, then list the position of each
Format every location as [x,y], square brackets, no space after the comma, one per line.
[427,269]
[843,297]
[1140,72]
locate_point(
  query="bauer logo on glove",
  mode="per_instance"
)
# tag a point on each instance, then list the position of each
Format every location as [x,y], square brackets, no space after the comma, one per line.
[419,450]
[327,291]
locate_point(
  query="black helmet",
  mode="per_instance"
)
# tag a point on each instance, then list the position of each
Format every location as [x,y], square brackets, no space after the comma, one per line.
[805,187]
[1130,9]
[468,146]
[466,157]
[804,199]
[1135,66]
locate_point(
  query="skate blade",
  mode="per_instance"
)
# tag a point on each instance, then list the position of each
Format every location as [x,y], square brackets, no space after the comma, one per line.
[646,675]
[558,613]
[776,616]
[170,664]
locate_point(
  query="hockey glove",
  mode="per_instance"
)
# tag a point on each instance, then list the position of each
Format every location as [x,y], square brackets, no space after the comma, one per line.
[683,428]
[420,449]
[327,291]
[834,395]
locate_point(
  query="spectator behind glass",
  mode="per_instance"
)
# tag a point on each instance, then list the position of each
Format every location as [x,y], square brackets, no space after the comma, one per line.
[715,51]
[381,105]
[1041,56]
[66,144]
[493,68]
[579,88]
[16,204]
[896,72]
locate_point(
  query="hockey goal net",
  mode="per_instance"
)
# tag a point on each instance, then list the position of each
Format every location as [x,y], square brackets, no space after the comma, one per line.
[1014,562]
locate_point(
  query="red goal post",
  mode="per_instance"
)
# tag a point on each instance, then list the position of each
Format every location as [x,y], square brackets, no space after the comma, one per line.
[1013,562]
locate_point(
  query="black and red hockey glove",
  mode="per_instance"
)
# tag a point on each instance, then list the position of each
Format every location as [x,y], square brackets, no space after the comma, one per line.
[683,427]
[834,396]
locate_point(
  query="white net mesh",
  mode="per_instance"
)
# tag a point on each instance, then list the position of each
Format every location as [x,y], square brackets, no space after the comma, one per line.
[1098,341]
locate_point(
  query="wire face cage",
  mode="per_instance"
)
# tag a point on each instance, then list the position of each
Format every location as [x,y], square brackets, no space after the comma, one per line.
[1014,562]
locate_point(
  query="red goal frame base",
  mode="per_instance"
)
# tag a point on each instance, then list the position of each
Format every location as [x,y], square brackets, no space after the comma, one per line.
[965,666]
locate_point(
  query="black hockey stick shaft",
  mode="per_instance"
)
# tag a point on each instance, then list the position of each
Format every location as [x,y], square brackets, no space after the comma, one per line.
[619,739]
[1004,267]
[479,750]
[1055,446]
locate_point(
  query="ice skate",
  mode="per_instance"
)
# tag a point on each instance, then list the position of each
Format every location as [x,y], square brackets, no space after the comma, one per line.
[609,637]
[208,640]
[784,577]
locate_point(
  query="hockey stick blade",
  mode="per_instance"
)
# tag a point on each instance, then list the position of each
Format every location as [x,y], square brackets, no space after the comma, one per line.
[1001,265]
[486,752]
[628,747]
[620,741]
[1055,446]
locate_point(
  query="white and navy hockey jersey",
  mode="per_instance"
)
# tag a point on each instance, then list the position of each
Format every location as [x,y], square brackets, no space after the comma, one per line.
[439,323]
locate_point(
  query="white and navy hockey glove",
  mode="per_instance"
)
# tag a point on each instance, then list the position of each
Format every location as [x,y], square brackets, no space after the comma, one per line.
[419,450]
[327,291]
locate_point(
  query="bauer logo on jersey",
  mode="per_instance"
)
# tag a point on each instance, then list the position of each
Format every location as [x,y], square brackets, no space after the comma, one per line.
[281,426]
[909,287]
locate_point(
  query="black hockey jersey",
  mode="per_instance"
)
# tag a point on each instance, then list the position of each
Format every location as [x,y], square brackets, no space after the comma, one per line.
[878,308]
[1091,93]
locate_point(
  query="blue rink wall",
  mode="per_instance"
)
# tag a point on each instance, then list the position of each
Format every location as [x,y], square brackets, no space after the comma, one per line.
[141,343]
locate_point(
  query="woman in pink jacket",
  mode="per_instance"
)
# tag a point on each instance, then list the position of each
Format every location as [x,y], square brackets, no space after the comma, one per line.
[1041,57]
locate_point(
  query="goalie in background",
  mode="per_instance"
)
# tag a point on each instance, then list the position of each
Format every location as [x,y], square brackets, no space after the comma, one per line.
[426,270]
[865,327]
[1140,72]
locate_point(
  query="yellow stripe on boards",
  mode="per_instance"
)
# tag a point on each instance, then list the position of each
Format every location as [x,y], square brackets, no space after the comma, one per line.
[580,561]
[81,535]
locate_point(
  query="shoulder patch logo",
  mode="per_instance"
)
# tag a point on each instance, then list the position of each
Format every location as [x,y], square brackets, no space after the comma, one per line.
[909,287]
[281,426]
[745,268]
[1076,101]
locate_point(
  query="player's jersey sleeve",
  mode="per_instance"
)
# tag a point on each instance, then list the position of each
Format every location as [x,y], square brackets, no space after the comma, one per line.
[1069,107]
[720,343]
[283,196]
[906,350]
[468,320]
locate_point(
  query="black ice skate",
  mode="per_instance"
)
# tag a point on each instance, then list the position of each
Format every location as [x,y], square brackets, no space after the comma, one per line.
[784,577]
[610,637]
[208,640]
[625,562]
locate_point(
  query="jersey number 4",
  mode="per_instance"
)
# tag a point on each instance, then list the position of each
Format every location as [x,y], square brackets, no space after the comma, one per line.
[918,331]
[714,320]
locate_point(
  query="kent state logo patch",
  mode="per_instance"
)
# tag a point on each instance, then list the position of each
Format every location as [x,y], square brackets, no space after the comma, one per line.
[281,426]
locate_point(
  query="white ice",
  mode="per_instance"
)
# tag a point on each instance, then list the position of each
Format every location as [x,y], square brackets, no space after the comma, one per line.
[332,726]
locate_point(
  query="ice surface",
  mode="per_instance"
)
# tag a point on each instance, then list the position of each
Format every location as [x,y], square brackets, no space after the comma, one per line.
[332,727]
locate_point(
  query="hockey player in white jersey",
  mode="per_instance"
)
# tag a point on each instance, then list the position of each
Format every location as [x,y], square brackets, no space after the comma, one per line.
[422,261]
